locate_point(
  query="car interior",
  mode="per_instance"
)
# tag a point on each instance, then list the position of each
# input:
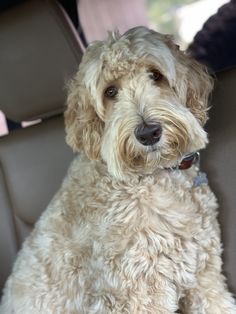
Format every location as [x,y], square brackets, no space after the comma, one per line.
[34,160]
[40,51]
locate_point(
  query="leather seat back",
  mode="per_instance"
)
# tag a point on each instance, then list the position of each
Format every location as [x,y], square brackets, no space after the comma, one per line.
[40,51]
[220,164]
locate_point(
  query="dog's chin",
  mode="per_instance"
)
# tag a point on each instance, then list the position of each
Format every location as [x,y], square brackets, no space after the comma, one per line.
[152,149]
[143,162]
[146,163]
[158,157]
[149,160]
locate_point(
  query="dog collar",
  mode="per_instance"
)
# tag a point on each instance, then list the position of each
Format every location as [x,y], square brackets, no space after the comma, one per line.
[188,161]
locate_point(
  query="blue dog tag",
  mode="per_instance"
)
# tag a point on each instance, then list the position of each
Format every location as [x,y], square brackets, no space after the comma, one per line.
[200,179]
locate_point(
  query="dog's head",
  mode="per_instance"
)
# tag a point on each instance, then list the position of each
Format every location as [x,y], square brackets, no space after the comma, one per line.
[138,103]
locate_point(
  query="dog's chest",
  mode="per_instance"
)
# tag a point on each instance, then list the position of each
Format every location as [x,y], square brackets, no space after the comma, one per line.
[151,257]
[134,243]
[146,235]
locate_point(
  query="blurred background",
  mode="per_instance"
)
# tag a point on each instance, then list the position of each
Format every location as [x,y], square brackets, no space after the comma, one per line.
[182,18]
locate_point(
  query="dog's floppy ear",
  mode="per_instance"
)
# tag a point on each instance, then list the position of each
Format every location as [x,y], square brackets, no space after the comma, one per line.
[194,83]
[199,85]
[83,126]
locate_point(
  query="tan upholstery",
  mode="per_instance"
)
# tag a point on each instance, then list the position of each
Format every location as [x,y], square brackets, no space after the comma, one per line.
[33,162]
[39,52]
[219,160]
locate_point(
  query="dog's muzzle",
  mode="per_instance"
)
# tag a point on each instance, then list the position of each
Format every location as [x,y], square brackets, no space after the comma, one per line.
[148,134]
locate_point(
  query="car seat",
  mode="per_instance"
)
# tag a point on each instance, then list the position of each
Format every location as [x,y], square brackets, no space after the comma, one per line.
[219,161]
[40,51]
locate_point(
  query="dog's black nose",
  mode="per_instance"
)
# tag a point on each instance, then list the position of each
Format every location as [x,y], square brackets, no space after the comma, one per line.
[148,134]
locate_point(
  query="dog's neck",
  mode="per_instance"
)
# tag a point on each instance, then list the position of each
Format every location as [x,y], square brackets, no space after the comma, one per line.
[188,161]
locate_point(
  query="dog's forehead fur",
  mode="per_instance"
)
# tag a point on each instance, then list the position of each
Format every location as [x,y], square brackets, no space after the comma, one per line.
[119,56]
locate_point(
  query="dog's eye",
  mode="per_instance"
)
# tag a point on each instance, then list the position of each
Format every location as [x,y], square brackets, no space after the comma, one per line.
[111,91]
[155,75]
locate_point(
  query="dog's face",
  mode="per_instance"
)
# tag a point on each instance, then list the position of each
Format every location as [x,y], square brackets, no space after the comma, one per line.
[137,103]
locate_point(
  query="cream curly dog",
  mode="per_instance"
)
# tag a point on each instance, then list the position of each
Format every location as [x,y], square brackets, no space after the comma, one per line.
[129,231]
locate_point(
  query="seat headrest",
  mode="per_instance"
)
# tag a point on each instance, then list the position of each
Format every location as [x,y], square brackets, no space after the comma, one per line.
[40,51]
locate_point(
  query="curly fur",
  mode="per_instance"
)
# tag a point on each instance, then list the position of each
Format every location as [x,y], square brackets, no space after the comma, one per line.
[125,233]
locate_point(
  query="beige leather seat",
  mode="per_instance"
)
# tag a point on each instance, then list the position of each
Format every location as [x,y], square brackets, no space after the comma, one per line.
[39,52]
[219,161]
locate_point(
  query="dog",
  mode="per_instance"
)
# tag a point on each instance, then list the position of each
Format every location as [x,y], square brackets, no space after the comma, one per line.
[133,228]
